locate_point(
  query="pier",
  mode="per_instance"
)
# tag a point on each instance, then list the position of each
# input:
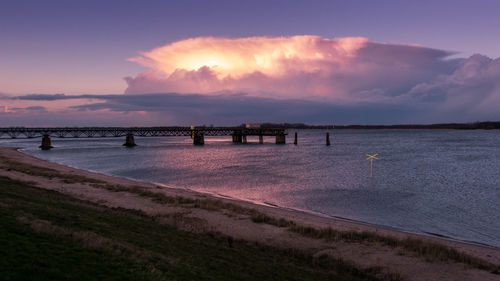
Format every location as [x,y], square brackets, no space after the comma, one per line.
[239,134]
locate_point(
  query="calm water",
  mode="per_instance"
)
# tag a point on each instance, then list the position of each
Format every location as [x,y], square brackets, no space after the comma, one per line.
[426,181]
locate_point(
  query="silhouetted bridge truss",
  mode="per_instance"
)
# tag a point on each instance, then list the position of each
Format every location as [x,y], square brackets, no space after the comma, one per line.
[239,134]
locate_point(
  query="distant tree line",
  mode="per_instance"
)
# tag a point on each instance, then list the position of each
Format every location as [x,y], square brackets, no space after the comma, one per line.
[457,126]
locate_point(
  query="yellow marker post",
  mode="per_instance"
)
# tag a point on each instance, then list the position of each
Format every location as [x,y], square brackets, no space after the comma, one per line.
[192,132]
[371,157]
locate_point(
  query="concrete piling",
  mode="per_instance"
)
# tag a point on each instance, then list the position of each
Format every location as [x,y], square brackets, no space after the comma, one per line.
[281,139]
[237,138]
[46,143]
[129,141]
[199,139]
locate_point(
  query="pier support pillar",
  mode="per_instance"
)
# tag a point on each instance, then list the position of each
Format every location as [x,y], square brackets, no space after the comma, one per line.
[237,138]
[327,138]
[244,139]
[129,141]
[295,139]
[46,143]
[281,139]
[199,139]
[261,139]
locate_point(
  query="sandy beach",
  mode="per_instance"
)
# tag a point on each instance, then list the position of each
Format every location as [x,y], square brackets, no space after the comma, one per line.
[377,246]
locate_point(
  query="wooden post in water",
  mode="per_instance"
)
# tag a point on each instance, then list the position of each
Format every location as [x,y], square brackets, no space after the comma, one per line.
[295,139]
[327,138]
[261,139]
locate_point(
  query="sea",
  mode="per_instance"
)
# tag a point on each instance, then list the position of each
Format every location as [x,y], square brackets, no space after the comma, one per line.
[442,183]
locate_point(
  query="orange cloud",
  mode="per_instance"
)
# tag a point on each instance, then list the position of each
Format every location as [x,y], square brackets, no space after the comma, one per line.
[344,70]
[239,57]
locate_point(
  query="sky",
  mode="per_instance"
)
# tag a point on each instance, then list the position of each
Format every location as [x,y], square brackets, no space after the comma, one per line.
[165,63]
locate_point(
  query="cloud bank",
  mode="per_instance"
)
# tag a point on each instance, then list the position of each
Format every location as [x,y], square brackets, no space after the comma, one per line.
[225,109]
[343,70]
[286,79]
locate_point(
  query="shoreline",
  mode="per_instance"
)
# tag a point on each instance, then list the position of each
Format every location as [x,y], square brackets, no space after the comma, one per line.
[270,205]
[240,226]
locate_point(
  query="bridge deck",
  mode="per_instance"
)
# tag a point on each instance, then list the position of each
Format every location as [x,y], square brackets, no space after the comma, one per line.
[90,132]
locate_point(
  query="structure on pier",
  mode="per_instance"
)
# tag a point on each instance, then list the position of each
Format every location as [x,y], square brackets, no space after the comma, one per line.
[239,134]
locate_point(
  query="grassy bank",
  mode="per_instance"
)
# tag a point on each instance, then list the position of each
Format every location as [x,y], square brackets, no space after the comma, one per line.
[49,236]
[427,250]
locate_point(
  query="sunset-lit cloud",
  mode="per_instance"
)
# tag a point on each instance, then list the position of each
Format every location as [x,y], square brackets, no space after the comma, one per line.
[236,58]
[287,79]
[342,69]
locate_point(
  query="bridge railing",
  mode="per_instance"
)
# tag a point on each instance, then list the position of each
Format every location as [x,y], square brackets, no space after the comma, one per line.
[80,132]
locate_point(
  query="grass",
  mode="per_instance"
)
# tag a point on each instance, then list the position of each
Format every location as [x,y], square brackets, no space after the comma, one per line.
[34,170]
[50,236]
[428,250]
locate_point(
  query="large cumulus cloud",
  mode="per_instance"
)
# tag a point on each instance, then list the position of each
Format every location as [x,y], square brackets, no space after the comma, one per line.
[287,79]
[472,89]
[342,69]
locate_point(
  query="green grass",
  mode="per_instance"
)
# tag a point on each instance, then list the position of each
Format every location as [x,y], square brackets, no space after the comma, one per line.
[45,235]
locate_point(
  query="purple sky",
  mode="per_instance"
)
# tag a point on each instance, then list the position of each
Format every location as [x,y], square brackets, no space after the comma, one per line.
[85,47]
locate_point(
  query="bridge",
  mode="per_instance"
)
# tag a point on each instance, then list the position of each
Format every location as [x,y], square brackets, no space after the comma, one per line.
[239,134]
